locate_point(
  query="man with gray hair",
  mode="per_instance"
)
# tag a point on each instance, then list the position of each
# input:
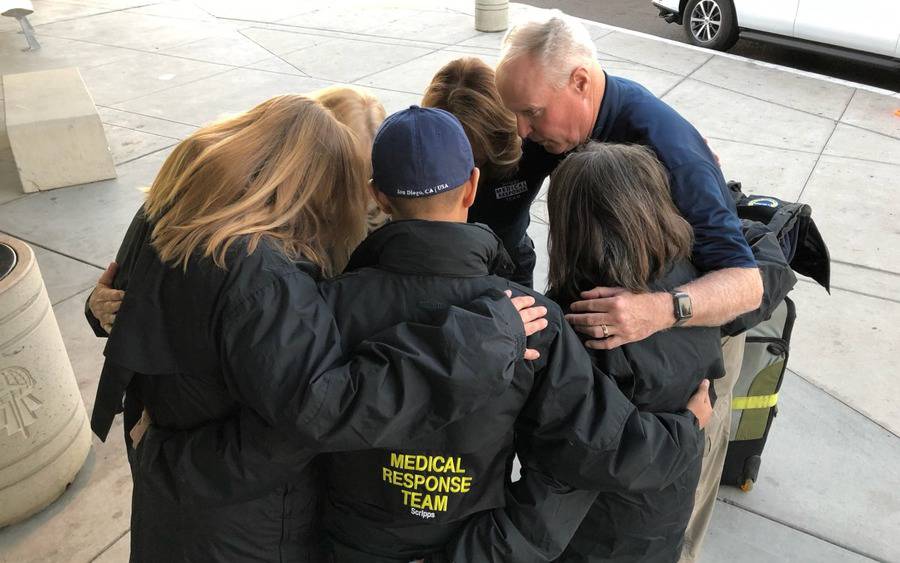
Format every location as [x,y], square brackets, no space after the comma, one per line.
[549,76]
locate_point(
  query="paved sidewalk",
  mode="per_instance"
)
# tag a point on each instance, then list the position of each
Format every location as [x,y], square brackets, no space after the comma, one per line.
[829,486]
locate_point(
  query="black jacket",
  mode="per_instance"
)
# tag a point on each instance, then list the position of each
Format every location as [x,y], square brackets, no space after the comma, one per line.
[565,420]
[504,204]
[658,374]
[196,347]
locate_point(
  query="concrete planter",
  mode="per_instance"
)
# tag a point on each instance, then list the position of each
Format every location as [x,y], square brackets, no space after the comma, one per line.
[44,432]
[54,130]
[491,15]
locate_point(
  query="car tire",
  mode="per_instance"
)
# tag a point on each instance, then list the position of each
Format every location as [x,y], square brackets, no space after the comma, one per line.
[711,24]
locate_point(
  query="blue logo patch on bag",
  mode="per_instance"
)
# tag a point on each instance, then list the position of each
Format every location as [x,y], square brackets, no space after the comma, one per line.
[763,201]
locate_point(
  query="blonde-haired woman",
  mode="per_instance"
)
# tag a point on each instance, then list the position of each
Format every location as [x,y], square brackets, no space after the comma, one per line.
[361,111]
[222,338]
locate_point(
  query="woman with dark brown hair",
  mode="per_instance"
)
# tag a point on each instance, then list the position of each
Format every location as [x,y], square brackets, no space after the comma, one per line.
[613,223]
[465,87]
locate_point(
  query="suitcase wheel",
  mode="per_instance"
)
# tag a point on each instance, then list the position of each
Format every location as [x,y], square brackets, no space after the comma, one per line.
[751,472]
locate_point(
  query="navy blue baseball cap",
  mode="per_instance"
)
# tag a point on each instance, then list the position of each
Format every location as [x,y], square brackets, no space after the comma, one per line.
[420,152]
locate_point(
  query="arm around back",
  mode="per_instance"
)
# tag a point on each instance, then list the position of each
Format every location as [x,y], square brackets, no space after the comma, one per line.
[282,357]
[300,395]
[577,435]
[580,428]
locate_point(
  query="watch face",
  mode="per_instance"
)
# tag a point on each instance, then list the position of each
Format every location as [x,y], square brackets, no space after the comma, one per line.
[683,308]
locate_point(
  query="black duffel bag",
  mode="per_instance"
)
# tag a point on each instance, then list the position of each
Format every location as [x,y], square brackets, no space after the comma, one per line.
[784,239]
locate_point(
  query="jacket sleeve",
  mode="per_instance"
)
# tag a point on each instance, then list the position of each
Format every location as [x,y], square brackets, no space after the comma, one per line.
[777,276]
[226,461]
[282,357]
[128,251]
[577,435]
[93,321]
[578,427]
[299,395]
[539,520]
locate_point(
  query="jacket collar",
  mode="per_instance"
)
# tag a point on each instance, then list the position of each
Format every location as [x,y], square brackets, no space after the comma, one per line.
[608,108]
[433,248]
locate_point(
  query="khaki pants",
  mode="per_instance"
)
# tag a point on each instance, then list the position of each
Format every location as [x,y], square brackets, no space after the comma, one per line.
[717,432]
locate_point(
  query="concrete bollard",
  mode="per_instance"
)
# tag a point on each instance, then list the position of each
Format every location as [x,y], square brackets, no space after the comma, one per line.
[44,432]
[491,15]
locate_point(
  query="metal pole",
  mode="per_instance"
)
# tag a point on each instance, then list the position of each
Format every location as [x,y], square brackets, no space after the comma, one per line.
[33,44]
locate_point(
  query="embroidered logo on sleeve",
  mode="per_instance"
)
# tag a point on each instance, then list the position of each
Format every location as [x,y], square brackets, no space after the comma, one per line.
[511,189]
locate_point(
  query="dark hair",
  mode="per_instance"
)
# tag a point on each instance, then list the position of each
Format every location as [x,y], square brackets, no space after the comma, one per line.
[465,87]
[612,221]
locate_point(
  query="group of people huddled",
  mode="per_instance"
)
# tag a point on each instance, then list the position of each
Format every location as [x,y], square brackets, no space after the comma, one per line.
[324,339]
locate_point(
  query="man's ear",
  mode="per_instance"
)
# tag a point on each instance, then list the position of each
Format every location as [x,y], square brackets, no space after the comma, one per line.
[581,80]
[471,188]
[380,199]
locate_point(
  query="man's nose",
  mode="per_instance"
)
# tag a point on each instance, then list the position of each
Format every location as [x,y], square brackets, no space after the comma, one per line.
[523,127]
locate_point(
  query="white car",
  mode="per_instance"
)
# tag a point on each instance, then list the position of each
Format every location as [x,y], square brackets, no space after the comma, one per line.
[862,29]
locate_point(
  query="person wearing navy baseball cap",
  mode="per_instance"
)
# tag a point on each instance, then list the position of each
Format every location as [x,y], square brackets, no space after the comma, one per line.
[421,161]
[447,497]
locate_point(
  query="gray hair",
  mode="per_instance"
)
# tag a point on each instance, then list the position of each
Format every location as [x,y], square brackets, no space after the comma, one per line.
[558,41]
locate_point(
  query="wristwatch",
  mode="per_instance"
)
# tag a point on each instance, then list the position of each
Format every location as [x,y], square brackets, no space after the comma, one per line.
[683,307]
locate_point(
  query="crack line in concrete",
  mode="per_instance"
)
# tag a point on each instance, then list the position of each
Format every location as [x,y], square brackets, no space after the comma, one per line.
[864,294]
[822,151]
[114,542]
[859,159]
[779,104]
[307,29]
[124,162]
[397,65]
[172,46]
[810,533]
[347,36]
[76,18]
[276,55]
[147,116]
[17,198]
[48,249]
[843,402]
[801,151]
[764,146]
[166,89]
[684,77]
[138,131]
[863,266]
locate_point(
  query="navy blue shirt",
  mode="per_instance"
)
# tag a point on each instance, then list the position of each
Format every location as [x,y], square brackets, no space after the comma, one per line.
[629,113]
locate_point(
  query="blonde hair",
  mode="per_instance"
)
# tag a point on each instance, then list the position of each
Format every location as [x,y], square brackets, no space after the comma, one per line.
[465,87]
[361,111]
[286,170]
[559,42]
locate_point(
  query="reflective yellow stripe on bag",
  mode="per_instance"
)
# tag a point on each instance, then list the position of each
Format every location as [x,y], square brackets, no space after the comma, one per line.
[758,402]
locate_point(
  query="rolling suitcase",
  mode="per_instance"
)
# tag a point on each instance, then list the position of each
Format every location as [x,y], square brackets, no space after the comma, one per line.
[784,239]
[755,398]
